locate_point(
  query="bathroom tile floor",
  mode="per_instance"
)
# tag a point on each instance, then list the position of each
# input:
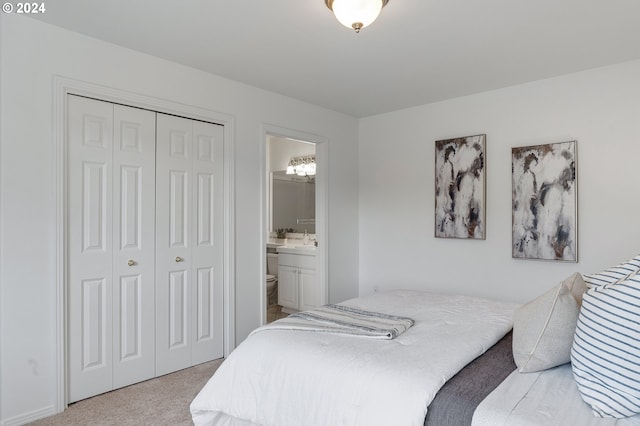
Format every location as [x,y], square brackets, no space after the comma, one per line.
[274,312]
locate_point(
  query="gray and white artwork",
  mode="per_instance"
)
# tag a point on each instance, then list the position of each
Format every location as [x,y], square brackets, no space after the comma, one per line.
[544,214]
[460,188]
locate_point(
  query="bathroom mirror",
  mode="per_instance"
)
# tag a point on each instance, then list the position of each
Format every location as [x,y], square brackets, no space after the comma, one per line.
[293,202]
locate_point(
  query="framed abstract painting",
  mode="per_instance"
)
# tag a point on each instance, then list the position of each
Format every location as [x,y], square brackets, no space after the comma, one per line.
[544,202]
[460,188]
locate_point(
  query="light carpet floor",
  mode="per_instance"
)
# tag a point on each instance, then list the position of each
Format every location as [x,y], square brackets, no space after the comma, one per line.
[161,401]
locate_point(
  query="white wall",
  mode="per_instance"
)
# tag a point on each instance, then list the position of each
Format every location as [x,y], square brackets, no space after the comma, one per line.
[599,108]
[31,53]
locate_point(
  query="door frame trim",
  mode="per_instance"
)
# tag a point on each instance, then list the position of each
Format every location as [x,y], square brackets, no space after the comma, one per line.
[62,87]
[322,206]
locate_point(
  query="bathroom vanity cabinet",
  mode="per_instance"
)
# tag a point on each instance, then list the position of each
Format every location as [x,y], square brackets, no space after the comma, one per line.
[297,287]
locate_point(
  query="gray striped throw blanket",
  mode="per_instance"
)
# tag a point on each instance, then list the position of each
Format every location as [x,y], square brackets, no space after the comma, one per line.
[340,319]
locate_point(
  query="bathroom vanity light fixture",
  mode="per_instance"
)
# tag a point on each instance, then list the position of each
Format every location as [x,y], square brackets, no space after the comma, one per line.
[356,14]
[302,166]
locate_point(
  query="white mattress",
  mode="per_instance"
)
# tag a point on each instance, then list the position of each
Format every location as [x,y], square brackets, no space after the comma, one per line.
[292,378]
[547,398]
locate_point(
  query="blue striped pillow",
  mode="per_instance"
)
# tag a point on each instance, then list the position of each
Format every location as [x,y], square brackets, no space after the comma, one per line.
[614,274]
[605,356]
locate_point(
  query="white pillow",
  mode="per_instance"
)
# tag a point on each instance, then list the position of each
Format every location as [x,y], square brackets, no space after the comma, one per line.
[614,274]
[605,357]
[543,329]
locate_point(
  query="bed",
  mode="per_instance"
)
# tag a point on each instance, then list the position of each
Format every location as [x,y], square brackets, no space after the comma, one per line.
[287,377]
[463,361]
[570,356]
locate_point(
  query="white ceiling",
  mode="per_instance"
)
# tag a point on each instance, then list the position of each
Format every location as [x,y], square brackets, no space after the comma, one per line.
[417,52]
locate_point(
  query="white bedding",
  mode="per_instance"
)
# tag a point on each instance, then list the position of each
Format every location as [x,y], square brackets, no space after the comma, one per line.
[292,378]
[547,398]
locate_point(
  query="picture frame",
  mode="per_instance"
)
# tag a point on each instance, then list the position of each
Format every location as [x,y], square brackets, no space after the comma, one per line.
[460,180]
[544,202]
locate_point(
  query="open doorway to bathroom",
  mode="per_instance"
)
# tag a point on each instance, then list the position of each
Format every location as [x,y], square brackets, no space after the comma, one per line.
[294,225]
[291,219]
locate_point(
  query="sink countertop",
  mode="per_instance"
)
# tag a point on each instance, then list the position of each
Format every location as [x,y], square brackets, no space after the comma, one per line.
[306,250]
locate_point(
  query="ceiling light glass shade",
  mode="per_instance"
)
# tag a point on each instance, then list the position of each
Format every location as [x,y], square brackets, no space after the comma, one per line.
[311,169]
[356,14]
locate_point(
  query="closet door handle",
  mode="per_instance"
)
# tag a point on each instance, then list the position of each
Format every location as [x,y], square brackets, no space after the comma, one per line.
[131,262]
[179,259]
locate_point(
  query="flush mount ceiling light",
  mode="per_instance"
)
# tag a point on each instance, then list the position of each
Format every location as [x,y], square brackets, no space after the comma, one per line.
[356,14]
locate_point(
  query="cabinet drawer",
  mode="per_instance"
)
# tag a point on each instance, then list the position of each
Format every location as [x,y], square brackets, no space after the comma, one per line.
[297,261]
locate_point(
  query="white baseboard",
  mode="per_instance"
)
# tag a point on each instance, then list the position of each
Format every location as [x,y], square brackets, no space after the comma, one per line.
[29,417]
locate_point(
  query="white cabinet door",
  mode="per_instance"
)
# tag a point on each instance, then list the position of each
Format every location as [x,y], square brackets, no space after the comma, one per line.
[189,239]
[308,289]
[111,211]
[297,287]
[288,287]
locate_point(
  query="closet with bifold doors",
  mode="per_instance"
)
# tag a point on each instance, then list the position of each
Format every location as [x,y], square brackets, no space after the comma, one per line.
[144,244]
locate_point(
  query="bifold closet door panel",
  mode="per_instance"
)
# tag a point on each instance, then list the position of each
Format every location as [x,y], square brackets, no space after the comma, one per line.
[174,199]
[207,315]
[134,245]
[90,197]
[189,257]
[111,210]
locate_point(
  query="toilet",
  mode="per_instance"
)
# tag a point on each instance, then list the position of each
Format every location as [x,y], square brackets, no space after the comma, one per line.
[271,281]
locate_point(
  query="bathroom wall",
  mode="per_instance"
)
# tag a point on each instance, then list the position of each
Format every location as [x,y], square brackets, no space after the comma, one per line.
[600,109]
[280,151]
